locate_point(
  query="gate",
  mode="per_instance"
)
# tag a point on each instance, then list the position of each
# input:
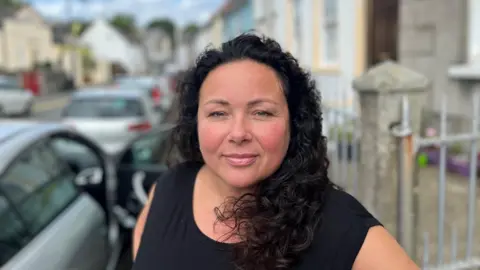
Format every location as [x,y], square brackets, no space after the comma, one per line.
[431,152]
[421,192]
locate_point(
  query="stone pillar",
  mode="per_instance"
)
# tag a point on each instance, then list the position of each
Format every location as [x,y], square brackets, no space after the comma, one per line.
[380,92]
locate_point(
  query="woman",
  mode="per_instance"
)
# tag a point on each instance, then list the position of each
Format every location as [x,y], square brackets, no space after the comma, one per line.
[253,192]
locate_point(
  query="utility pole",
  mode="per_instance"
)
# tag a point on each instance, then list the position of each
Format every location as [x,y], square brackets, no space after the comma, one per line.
[73,56]
[142,36]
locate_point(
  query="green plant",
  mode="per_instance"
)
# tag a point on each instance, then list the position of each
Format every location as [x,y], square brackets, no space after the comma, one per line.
[455,149]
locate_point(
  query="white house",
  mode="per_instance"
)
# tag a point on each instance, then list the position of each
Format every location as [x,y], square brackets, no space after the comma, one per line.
[108,44]
[202,40]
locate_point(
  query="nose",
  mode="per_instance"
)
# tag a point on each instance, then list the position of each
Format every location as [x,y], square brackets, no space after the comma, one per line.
[240,131]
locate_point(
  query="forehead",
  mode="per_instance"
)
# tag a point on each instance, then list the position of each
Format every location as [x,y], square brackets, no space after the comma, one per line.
[245,78]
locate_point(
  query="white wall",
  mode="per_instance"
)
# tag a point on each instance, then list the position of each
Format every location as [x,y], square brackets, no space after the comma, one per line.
[107,44]
[202,40]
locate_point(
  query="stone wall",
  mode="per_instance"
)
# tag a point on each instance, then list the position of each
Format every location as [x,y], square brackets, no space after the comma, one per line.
[432,38]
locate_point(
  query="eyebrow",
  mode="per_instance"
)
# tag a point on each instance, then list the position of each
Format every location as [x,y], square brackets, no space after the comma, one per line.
[250,103]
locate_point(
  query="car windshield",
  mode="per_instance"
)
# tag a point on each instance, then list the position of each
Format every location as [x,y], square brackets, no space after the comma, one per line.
[111,107]
[8,83]
[142,82]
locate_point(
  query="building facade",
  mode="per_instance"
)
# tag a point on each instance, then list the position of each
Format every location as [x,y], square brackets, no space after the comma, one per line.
[238,17]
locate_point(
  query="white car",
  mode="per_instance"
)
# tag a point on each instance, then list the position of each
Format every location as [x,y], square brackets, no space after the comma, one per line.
[14,99]
[158,86]
[111,117]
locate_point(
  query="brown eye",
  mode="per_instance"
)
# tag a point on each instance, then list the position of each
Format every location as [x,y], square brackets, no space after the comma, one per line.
[217,114]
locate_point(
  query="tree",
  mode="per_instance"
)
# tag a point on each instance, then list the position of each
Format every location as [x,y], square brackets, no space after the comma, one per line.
[10,4]
[166,25]
[125,23]
[189,32]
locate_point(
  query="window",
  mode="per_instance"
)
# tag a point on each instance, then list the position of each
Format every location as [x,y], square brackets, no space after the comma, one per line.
[13,235]
[76,154]
[297,27]
[106,107]
[330,32]
[150,149]
[473,30]
[40,186]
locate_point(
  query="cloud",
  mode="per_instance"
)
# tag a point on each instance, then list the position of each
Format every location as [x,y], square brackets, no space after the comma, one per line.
[181,11]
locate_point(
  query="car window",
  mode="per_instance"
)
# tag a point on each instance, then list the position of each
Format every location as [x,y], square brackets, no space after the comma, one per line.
[8,83]
[150,149]
[40,186]
[13,233]
[76,154]
[105,107]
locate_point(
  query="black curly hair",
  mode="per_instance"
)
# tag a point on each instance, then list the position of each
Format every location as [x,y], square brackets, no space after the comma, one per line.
[277,224]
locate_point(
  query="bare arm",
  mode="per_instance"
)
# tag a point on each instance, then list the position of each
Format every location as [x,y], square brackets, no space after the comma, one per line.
[381,251]
[140,225]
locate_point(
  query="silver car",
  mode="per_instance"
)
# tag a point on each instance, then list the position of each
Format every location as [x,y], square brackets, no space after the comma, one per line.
[64,202]
[14,99]
[158,88]
[54,212]
[111,117]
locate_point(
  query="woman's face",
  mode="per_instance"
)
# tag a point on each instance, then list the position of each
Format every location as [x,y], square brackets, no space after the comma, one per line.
[243,123]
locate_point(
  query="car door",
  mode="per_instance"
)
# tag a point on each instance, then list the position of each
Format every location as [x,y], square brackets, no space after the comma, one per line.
[139,166]
[67,228]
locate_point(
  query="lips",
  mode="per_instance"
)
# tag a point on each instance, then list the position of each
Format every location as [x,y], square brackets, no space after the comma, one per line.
[241,160]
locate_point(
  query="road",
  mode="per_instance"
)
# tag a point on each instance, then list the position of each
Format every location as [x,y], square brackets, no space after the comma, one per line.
[49,108]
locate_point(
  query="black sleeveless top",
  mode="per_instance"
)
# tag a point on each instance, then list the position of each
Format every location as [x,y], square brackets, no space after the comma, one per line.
[172,241]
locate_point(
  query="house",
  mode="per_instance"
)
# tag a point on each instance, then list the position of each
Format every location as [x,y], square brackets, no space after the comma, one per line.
[238,17]
[441,40]
[211,33]
[338,40]
[25,39]
[108,44]
[270,19]
[160,50]
[65,52]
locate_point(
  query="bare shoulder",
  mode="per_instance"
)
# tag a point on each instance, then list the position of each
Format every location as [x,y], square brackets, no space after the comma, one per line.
[141,220]
[380,250]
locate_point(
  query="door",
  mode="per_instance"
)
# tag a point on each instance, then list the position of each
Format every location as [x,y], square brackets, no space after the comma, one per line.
[382,30]
[53,222]
[142,163]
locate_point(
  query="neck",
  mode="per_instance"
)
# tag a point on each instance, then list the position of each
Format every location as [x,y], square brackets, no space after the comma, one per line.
[218,188]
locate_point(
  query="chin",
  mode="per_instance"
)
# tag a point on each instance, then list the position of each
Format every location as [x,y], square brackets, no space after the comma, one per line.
[239,180]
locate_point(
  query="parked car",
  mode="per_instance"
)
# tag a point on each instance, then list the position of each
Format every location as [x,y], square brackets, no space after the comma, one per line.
[158,87]
[111,117]
[14,99]
[64,202]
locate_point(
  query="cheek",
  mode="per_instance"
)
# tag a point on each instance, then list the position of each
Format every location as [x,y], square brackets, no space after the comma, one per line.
[274,138]
[210,137]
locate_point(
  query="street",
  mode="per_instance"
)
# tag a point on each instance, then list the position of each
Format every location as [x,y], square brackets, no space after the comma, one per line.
[49,108]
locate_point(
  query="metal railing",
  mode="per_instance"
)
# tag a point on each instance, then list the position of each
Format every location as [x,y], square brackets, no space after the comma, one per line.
[439,238]
[410,147]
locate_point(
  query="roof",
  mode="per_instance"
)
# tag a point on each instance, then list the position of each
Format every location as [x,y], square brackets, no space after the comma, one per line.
[108,92]
[62,32]
[7,12]
[10,11]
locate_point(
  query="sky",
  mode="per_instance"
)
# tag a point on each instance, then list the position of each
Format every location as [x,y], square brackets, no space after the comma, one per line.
[181,11]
